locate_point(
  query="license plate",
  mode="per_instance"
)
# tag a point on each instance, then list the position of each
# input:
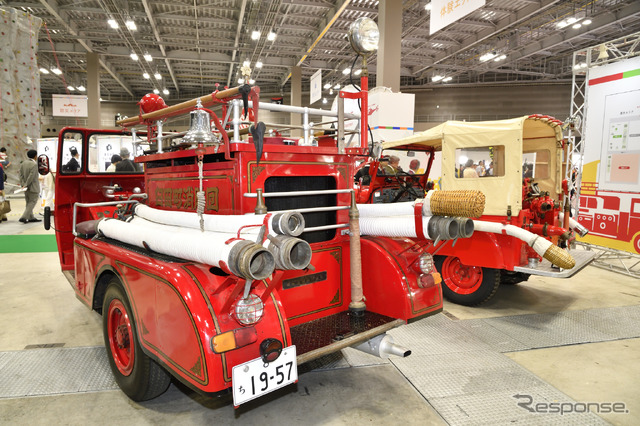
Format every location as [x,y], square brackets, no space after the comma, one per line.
[256,378]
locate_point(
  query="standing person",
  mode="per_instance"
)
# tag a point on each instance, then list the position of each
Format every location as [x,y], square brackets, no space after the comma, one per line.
[125,165]
[115,159]
[4,158]
[3,216]
[29,181]
[469,171]
[413,166]
[73,165]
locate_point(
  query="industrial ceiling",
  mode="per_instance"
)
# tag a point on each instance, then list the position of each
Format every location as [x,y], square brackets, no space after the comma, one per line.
[195,44]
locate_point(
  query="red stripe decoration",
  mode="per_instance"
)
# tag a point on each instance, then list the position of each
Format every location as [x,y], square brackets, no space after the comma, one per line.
[605,79]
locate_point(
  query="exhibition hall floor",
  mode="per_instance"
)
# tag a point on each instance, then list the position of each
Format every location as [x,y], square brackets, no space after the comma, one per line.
[536,348]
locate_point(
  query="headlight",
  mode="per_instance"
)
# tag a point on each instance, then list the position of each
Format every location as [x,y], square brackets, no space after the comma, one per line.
[426,263]
[364,36]
[249,311]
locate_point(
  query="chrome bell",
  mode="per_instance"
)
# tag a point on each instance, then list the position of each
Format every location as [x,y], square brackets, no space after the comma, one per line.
[200,128]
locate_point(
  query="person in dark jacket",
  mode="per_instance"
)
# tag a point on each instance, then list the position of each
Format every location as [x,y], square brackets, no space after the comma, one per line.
[126,165]
[73,165]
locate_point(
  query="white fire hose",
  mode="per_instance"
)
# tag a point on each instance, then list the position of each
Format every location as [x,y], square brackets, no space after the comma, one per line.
[433,227]
[575,225]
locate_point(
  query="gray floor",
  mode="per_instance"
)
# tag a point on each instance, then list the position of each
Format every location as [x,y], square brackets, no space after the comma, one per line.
[566,342]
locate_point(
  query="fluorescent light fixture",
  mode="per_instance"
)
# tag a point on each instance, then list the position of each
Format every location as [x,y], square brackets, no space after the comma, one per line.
[571,20]
[327,85]
[586,22]
[346,71]
[447,79]
[503,57]
[337,86]
[156,91]
[241,81]
[576,26]
[44,71]
[259,64]
[157,76]
[487,57]
[56,71]
[562,24]
[437,78]
[146,75]
[147,57]
[130,24]
[252,81]
[81,88]
[246,63]
[113,24]
[134,56]
[271,36]
[71,88]
[358,72]
[255,35]
[165,91]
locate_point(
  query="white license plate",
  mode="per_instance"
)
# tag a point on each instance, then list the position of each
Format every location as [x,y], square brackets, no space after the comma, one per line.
[256,378]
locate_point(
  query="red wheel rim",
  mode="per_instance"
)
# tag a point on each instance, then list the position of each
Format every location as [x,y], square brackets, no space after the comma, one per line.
[120,337]
[461,279]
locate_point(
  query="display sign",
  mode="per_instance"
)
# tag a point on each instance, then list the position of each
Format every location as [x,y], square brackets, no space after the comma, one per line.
[70,106]
[316,87]
[49,147]
[610,187]
[445,12]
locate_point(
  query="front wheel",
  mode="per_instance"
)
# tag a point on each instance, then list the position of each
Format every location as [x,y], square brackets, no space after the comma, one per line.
[466,285]
[139,377]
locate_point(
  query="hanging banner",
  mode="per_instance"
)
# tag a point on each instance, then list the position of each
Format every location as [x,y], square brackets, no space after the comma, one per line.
[70,106]
[445,12]
[316,87]
[610,187]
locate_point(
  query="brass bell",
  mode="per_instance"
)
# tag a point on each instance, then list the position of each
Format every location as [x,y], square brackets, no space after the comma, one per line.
[200,128]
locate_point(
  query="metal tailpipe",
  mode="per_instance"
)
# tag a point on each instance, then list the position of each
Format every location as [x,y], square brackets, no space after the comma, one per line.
[250,260]
[289,252]
[382,346]
[288,223]
[442,228]
[574,224]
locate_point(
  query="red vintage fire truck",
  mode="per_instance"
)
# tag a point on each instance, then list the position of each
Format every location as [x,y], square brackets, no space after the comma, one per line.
[226,262]
[518,165]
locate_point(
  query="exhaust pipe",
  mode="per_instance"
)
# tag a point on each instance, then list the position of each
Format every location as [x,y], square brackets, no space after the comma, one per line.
[382,346]
[289,252]
[251,261]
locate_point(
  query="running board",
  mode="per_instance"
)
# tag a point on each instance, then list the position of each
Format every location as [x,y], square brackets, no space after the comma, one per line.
[546,269]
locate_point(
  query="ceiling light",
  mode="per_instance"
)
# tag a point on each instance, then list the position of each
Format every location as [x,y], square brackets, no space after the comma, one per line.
[157,76]
[44,71]
[156,91]
[130,24]
[358,72]
[113,24]
[562,24]
[346,71]
[427,6]
[331,91]
[147,57]
[324,100]
[165,91]
[259,64]
[327,85]
[56,71]
[255,35]
[447,79]
[134,56]
[145,75]
[252,81]
[241,81]
[71,88]
[337,86]
[586,22]
[271,36]
[437,78]
[246,63]
[101,99]
[487,57]
[503,57]
[81,88]
[571,20]
[576,26]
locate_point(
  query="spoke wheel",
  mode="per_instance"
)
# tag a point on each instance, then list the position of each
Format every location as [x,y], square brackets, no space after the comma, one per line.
[139,377]
[464,284]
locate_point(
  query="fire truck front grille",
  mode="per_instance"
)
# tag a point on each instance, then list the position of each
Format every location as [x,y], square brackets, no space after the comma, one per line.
[305,183]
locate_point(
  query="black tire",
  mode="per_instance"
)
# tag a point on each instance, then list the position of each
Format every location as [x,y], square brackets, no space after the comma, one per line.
[512,277]
[466,285]
[139,377]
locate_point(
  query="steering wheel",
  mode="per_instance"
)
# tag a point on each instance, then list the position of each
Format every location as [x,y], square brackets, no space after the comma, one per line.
[406,187]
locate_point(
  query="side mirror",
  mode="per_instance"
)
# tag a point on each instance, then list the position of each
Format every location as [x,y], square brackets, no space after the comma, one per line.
[43,164]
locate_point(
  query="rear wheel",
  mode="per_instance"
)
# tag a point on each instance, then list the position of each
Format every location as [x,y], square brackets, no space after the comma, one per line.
[139,377]
[466,285]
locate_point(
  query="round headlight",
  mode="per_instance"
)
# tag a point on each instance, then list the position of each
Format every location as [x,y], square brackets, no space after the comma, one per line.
[364,36]
[249,310]
[426,263]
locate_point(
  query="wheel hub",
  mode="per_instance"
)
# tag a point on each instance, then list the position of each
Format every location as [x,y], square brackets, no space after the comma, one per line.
[461,278]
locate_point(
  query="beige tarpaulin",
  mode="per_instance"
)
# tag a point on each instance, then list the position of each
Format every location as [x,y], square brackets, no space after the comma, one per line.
[504,190]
